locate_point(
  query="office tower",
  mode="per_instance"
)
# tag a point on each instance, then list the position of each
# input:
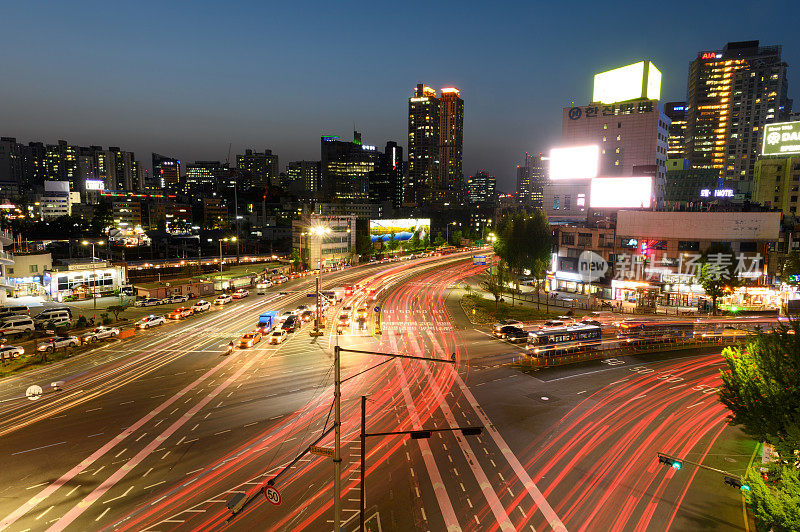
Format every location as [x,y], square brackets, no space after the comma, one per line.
[530,180]
[346,167]
[166,171]
[676,143]
[423,143]
[125,171]
[203,177]
[732,93]
[11,161]
[302,177]
[451,145]
[481,188]
[385,181]
[263,167]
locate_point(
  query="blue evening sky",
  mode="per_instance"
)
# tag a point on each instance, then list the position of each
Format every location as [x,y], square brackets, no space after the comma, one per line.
[188,78]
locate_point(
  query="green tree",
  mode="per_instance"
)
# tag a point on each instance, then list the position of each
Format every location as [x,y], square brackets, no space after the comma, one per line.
[117,310]
[102,219]
[496,282]
[438,240]
[791,267]
[761,388]
[295,258]
[717,272]
[414,243]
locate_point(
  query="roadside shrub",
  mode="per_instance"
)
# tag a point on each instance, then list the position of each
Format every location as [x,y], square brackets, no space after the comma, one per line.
[106,319]
[82,322]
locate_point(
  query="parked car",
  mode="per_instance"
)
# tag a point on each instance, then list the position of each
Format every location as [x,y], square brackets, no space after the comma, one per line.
[517,335]
[147,302]
[223,299]
[16,324]
[9,352]
[291,324]
[99,333]
[54,310]
[250,339]
[201,306]
[240,294]
[499,325]
[14,310]
[150,321]
[57,342]
[180,313]
[277,336]
[52,318]
[178,298]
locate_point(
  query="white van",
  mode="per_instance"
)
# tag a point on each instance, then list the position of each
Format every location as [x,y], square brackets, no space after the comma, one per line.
[54,310]
[15,310]
[16,325]
[58,317]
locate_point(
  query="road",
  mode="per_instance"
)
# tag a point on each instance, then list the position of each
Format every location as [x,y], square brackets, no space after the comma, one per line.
[158,432]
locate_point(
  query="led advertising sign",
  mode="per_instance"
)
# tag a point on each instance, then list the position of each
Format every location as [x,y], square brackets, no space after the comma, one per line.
[94,184]
[639,80]
[781,139]
[399,229]
[578,162]
[718,193]
[621,192]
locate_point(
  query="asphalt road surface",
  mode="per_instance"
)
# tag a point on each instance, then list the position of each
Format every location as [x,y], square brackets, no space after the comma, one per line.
[158,432]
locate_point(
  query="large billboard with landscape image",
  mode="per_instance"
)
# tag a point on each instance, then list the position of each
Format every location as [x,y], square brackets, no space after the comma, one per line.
[401,229]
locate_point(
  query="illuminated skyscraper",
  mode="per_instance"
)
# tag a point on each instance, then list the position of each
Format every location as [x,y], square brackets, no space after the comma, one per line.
[451,146]
[346,167]
[166,171]
[732,93]
[263,167]
[676,143]
[530,180]
[423,143]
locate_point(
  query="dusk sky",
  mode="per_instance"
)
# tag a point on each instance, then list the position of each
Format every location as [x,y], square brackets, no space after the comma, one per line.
[188,78]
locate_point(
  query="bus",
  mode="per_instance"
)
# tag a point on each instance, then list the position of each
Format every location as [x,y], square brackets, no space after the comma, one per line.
[555,340]
[642,329]
[446,250]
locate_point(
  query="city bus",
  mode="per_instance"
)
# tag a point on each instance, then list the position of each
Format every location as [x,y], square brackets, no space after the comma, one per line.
[556,340]
[636,330]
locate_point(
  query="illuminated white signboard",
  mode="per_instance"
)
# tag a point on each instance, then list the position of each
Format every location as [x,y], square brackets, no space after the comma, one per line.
[621,192]
[580,162]
[781,139]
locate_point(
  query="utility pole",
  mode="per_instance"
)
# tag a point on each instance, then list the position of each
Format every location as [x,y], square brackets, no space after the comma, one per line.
[337,438]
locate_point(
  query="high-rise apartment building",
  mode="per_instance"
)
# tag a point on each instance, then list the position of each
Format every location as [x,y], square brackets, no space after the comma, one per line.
[423,143]
[302,177]
[732,93]
[263,168]
[386,180]
[451,145]
[531,178]
[676,143]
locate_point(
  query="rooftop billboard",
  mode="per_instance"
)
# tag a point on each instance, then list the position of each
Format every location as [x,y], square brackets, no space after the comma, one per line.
[781,139]
[578,162]
[630,82]
[621,192]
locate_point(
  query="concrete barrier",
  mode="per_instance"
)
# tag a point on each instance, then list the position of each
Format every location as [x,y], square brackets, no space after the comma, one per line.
[127,333]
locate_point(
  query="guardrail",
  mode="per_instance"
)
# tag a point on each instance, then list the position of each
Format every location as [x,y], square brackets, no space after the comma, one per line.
[575,355]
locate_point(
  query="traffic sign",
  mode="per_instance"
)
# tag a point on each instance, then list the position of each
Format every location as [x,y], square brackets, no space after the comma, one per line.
[377,309]
[479,260]
[272,495]
[322,451]
[33,392]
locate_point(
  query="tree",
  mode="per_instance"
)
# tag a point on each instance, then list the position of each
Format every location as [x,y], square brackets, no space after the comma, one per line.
[455,238]
[524,242]
[496,282]
[295,258]
[717,272]
[102,219]
[761,388]
[414,243]
[439,240]
[791,267]
[117,310]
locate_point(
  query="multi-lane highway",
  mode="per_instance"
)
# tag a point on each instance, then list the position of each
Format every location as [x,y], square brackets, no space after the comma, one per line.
[159,431]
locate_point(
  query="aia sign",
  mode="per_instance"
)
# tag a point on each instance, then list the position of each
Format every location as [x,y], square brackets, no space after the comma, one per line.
[709,55]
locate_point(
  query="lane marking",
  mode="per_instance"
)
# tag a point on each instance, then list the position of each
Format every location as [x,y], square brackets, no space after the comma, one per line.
[36,449]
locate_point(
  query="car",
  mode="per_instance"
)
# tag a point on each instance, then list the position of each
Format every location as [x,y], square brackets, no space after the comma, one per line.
[9,352]
[57,342]
[591,322]
[344,319]
[505,330]
[178,298]
[347,308]
[517,335]
[301,308]
[201,306]
[250,339]
[361,312]
[148,302]
[99,333]
[150,321]
[261,288]
[223,299]
[180,313]
[499,325]
[240,294]
[361,324]
[16,324]
[283,317]
[291,324]
[277,336]
[566,319]
[307,315]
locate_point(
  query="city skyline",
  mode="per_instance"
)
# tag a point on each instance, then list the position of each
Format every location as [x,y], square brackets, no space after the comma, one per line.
[153,93]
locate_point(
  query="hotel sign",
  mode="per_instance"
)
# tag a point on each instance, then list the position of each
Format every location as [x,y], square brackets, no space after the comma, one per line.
[595,111]
[781,139]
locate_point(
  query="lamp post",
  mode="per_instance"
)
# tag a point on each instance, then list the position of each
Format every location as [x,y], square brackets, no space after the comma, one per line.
[320,231]
[92,287]
[221,240]
[448,233]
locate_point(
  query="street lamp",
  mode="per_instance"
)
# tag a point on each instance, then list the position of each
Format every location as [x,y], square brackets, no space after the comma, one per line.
[448,233]
[93,285]
[320,231]
[221,240]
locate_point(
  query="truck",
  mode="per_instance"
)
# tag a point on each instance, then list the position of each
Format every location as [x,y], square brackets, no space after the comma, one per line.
[267,319]
[338,292]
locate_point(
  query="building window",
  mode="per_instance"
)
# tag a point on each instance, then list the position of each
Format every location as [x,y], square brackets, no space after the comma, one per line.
[9,270]
[556,202]
[567,202]
[688,245]
[605,126]
[568,239]
[33,268]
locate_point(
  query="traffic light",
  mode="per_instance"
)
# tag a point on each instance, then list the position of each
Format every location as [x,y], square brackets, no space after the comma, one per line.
[674,464]
[736,483]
